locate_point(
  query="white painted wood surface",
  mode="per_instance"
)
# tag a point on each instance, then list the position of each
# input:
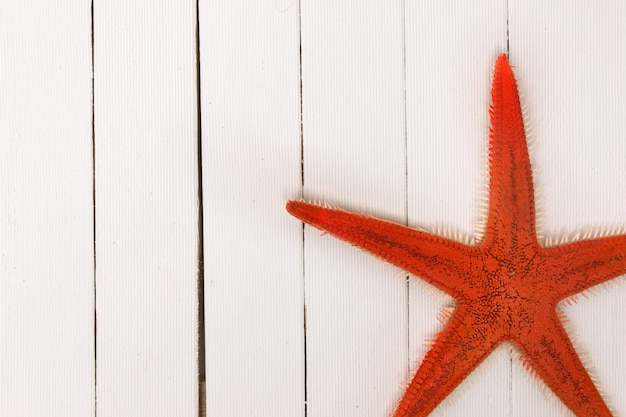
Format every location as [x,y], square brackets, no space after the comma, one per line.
[252,250]
[394,100]
[146,208]
[353,99]
[46,215]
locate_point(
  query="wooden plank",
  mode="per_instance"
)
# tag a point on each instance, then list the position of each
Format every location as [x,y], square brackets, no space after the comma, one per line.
[146,208]
[570,58]
[451,48]
[46,229]
[354,157]
[250,87]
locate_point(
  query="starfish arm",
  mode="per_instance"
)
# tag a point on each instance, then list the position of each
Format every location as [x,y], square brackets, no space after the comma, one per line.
[549,352]
[511,214]
[581,265]
[434,259]
[459,348]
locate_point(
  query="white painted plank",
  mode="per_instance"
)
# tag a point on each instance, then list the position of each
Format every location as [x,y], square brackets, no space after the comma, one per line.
[250,86]
[354,156]
[570,58]
[451,48]
[146,208]
[46,229]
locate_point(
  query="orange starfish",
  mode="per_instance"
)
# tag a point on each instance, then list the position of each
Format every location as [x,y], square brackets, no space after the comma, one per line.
[507,286]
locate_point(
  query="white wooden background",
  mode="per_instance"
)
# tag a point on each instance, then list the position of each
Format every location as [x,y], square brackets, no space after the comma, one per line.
[386,100]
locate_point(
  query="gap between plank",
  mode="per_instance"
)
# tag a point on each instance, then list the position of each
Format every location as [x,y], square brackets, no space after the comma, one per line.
[93,226]
[200,243]
[302,195]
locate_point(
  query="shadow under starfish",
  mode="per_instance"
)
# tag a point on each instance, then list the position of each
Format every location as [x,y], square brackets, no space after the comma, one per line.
[507,287]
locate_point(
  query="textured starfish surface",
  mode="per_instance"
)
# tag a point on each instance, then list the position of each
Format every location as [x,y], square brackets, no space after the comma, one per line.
[506,287]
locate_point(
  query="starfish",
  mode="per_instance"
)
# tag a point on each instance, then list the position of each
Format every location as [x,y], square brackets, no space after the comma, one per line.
[507,286]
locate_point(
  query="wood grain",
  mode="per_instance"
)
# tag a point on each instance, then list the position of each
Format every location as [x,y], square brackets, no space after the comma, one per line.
[250,74]
[146,208]
[354,157]
[46,213]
